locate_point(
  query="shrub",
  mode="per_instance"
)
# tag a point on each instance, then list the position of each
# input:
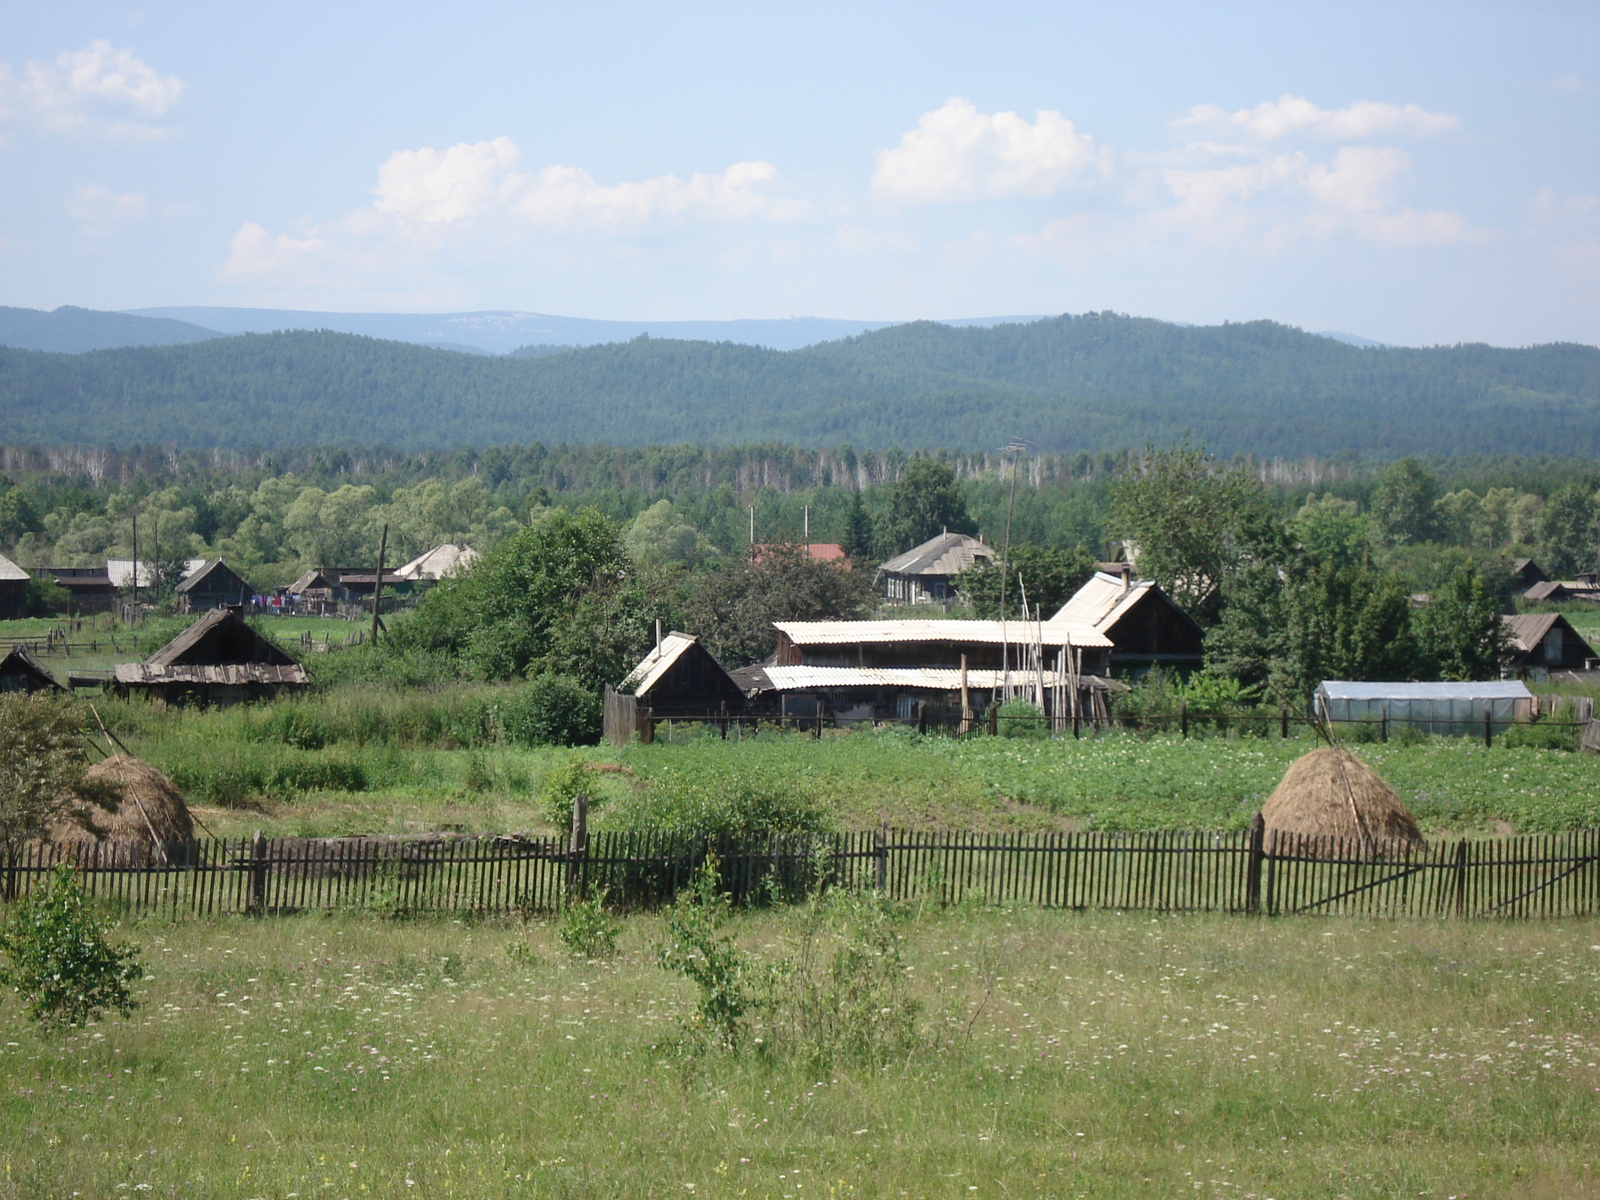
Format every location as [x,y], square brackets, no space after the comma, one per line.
[713,802]
[696,948]
[551,710]
[1540,734]
[560,786]
[1019,719]
[587,930]
[59,960]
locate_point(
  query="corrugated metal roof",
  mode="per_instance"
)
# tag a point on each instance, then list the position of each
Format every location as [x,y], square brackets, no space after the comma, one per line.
[448,559]
[10,571]
[231,673]
[943,679]
[657,663]
[1017,633]
[1343,689]
[947,554]
[120,570]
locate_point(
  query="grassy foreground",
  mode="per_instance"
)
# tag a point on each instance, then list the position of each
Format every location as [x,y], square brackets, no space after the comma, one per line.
[1061,1054]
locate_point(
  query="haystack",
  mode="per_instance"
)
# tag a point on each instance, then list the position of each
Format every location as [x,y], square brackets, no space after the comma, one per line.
[1332,793]
[149,820]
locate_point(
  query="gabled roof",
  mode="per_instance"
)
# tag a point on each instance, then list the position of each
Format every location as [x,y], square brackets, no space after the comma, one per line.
[653,668]
[1528,631]
[9,571]
[199,643]
[20,662]
[207,570]
[850,633]
[946,554]
[1102,602]
[450,558]
[120,570]
[316,577]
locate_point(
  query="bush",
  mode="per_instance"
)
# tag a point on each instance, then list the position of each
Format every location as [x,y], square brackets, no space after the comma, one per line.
[560,786]
[59,960]
[551,710]
[1019,719]
[587,930]
[697,949]
[1540,734]
[713,802]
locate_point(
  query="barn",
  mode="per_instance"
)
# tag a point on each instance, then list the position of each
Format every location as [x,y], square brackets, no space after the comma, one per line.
[1145,628]
[13,590]
[22,672]
[1546,642]
[219,659]
[213,584]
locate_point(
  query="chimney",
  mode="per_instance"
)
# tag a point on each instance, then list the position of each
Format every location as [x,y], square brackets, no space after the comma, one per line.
[1127,578]
[658,635]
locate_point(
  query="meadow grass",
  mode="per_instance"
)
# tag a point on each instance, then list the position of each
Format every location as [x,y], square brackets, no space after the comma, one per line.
[1058,1054]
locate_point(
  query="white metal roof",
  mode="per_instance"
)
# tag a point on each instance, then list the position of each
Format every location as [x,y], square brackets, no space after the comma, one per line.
[657,663]
[1101,602]
[944,679]
[120,570]
[1017,633]
[451,558]
[1342,689]
[10,571]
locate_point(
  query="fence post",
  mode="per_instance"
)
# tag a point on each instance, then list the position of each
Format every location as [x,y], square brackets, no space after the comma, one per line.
[1183,718]
[994,718]
[1488,729]
[1383,725]
[880,851]
[577,845]
[922,716]
[647,725]
[1283,722]
[258,872]
[1252,874]
[1461,877]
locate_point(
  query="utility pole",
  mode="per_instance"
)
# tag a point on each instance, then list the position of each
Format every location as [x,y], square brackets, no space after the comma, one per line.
[377,584]
[1016,447]
[752,529]
[136,559]
[805,510]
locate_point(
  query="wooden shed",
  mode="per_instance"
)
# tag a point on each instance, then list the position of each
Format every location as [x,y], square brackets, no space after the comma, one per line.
[213,585]
[13,590]
[1546,641]
[1145,627]
[22,672]
[219,659]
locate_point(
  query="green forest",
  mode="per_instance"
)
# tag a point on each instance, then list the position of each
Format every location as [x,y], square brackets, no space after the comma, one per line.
[1090,383]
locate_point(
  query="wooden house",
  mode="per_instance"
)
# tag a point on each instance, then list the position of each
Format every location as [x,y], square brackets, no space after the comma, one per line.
[679,677]
[1525,573]
[22,672]
[13,590]
[219,659]
[89,589]
[986,645]
[214,584]
[1145,628]
[1546,642]
[926,574]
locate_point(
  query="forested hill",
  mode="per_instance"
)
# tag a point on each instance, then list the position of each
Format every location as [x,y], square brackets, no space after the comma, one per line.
[1068,383]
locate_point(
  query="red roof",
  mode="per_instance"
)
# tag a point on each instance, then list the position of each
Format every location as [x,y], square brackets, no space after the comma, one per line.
[821,551]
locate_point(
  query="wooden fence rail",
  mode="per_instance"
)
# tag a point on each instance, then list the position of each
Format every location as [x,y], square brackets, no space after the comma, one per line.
[1554,875]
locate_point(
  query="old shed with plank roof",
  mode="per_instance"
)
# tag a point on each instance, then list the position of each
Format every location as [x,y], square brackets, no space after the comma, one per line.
[1145,627]
[13,590]
[219,659]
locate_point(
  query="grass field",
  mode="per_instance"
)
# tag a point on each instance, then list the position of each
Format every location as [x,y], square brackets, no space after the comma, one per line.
[1058,1054]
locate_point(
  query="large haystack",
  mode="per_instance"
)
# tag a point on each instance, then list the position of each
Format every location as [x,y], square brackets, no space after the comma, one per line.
[1332,793]
[150,819]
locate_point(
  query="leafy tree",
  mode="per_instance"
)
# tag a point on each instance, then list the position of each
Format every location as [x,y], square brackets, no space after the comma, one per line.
[1460,634]
[1569,541]
[1344,622]
[1194,523]
[17,515]
[1049,577]
[42,765]
[925,502]
[857,541]
[733,605]
[657,535]
[1332,530]
[1403,504]
[552,710]
[60,961]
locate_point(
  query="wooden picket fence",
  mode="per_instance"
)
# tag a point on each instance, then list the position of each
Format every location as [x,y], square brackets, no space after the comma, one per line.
[1555,875]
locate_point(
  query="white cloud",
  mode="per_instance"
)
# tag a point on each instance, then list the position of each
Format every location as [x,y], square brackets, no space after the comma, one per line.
[958,153]
[101,90]
[1295,116]
[100,212]
[1571,84]
[470,198]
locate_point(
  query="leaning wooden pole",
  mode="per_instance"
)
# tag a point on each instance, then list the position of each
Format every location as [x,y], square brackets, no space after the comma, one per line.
[377,585]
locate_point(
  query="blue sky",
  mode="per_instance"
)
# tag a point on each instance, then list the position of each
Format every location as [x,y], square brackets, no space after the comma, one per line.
[1415,173]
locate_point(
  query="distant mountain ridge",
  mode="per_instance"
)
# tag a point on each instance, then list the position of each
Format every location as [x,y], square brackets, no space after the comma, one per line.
[70,330]
[1092,382]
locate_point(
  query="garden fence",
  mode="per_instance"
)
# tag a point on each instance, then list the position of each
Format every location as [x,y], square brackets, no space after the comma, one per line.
[1556,875]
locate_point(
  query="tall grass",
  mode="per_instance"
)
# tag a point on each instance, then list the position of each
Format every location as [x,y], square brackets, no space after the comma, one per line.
[1056,1054]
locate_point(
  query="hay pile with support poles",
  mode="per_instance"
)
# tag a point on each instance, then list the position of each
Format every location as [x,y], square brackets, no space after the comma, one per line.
[1330,793]
[149,822]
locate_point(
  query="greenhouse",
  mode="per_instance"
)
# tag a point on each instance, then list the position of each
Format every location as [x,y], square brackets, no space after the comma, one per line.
[1444,708]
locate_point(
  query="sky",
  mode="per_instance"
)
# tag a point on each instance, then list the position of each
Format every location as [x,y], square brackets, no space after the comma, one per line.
[1414,173]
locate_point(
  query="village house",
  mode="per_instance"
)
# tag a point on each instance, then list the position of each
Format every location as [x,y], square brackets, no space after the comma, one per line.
[13,590]
[926,574]
[89,589]
[1544,642]
[828,552]
[1525,574]
[213,584]
[219,659]
[1145,628]
[22,672]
